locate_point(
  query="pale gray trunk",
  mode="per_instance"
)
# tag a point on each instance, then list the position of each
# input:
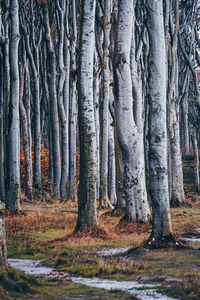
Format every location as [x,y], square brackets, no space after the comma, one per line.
[28,179]
[72,185]
[28,115]
[196,163]
[37,127]
[127,131]
[177,196]
[13,188]
[53,106]
[65,144]
[105,104]
[140,192]
[2,177]
[87,214]
[177,191]
[3,248]
[96,116]
[111,164]
[64,121]
[185,127]
[158,171]
[6,95]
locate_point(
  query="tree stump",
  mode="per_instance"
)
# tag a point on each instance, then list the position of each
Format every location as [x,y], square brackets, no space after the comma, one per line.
[3,248]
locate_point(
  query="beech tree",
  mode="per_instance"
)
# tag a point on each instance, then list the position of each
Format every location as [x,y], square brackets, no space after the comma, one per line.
[87,215]
[13,172]
[158,166]
[128,127]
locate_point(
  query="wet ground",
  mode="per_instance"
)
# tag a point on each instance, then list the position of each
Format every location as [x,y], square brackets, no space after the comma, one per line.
[142,291]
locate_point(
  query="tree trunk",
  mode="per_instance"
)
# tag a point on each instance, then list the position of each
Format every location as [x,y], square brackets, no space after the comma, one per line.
[127,131]
[2,177]
[72,186]
[13,189]
[3,249]
[158,170]
[87,215]
[64,121]
[105,104]
[96,97]
[28,180]
[53,106]
[111,165]
[196,164]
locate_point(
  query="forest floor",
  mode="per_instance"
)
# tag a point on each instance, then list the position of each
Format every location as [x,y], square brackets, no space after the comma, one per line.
[46,233]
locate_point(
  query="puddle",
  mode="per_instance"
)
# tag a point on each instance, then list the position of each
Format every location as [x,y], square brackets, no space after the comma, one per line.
[142,291]
[113,251]
[192,237]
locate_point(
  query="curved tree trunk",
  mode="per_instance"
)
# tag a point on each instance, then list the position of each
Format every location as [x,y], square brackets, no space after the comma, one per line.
[127,130]
[87,215]
[62,10]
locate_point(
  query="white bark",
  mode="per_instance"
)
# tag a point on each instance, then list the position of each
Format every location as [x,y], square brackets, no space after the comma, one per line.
[128,128]
[196,163]
[13,189]
[72,185]
[158,171]
[64,121]
[105,104]
[111,164]
[96,115]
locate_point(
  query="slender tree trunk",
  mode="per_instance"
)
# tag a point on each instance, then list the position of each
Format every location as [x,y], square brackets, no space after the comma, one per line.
[3,248]
[63,118]
[37,125]
[158,170]
[6,93]
[96,97]
[127,131]
[196,163]
[185,127]
[28,117]
[2,177]
[28,184]
[87,215]
[177,191]
[105,105]
[72,186]
[13,189]
[53,106]
[111,165]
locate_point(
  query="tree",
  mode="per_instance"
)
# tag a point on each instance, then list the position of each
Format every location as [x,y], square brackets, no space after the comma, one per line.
[87,215]
[53,104]
[3,249]
[158,166]
[13,177]
[177,193]
[128,118]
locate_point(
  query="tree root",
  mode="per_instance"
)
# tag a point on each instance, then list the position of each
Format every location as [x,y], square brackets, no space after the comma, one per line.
[163,242]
